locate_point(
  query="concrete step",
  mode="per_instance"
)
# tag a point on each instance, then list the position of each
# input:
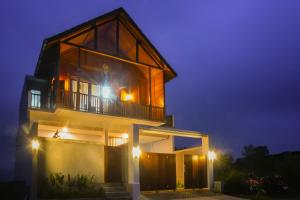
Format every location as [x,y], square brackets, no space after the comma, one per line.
[114,191]
[118,198]
[116,194]
[112,184]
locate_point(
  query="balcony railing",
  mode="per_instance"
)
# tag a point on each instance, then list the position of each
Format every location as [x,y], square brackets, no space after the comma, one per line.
[95,104]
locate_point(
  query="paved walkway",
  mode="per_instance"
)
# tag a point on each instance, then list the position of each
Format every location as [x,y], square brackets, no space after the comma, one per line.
[187,195]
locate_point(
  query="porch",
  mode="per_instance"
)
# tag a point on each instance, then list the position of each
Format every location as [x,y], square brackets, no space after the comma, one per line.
[143,158]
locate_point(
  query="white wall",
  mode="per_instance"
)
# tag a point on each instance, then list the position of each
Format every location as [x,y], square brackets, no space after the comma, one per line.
[161,146]
[71,157]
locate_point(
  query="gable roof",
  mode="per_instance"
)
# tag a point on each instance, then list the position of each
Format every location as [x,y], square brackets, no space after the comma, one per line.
[122,15]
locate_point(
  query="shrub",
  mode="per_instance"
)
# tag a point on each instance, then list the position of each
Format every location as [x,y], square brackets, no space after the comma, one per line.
[235,182]
[57,186]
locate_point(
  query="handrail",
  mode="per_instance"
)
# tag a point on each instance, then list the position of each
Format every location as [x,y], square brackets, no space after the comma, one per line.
[96,104]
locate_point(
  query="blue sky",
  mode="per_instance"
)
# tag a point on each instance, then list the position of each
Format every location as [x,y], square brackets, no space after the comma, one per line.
[238,63]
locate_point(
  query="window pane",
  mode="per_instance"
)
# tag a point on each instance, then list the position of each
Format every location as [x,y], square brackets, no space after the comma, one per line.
[85,39]
[74,86]
[145,58]
[106,37]
[35,99]
[84,88]
[95,90]
[157,88]
[127,43]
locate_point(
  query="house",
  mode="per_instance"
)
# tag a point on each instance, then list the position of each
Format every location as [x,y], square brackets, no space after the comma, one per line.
[96,104]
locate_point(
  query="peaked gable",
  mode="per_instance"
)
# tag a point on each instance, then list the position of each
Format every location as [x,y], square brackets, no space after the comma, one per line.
[115,34]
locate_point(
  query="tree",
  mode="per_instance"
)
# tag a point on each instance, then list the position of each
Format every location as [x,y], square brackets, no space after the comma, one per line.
[222,166]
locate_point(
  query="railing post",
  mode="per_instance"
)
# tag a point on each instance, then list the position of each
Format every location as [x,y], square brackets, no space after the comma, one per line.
[89,96]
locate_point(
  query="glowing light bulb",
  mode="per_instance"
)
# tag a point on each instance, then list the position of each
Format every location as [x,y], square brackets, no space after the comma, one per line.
[35,144]
[211,155]
[106,93]
[136,152]
[128,97]
[65,129]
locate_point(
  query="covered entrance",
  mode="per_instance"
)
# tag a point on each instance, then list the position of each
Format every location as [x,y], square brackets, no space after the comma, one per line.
[157,171]
[113,164]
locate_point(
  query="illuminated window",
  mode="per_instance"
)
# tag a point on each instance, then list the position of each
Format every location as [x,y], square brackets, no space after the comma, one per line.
[116,141]
[35,99]
[95,98]
[83,90]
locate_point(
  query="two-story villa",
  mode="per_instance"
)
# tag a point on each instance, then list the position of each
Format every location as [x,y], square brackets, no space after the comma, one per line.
[96,104]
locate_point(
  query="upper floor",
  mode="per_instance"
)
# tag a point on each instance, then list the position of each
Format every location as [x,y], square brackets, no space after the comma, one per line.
[105,66]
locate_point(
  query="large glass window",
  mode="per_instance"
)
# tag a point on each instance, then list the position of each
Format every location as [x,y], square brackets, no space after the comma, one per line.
[85,39]
[157,88]
[106,37]
[127,43]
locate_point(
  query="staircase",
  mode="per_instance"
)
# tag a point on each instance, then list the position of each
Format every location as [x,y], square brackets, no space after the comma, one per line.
[115,191]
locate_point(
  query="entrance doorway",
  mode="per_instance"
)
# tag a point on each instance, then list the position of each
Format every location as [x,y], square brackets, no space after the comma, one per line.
[113,164]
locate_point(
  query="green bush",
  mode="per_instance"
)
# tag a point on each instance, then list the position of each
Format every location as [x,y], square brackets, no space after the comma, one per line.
[58,185]
[235,182]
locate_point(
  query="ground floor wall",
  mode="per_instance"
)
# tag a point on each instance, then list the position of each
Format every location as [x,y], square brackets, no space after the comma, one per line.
[71,157]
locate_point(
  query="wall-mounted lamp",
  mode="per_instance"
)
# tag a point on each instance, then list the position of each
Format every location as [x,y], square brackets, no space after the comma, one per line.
[195,157]
[211,155]
[136,152]
[35,144]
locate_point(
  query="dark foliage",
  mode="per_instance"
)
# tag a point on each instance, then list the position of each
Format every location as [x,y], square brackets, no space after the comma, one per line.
[14,190]
[272,173]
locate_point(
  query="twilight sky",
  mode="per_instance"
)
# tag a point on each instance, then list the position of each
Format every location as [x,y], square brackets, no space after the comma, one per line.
[238,63]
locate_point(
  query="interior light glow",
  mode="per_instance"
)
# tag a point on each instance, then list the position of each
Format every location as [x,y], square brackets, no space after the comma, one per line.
[136,152]
[125,136]
[35,144]
[128,97]
[211,155]
[106,92]
[195,157]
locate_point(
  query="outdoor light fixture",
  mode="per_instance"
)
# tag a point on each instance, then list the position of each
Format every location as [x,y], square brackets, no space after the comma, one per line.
[211,155]
[63,134]
[195,157]
[136,152]
[128,97]
[35,144]
[125,136]
[65,129]
[106,92]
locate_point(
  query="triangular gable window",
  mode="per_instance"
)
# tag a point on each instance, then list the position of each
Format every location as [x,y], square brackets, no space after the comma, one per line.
[145,58]
[106,41]
[85,39]
[106,37]
[127,43]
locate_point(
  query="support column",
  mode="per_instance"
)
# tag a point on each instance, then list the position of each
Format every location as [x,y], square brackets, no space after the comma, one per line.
[133,163]
[106,136]
[210,171]
[34,175]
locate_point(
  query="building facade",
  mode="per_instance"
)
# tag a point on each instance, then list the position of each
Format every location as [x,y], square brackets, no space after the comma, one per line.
[96,104]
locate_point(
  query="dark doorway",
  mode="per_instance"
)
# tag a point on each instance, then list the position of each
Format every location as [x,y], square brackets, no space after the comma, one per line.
[195,173]
[113,164]
[157,171]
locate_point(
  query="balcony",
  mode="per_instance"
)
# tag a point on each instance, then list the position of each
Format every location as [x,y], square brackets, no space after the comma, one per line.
[96,104]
